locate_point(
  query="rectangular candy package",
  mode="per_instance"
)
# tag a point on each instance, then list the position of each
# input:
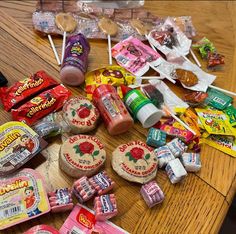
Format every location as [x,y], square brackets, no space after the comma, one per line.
[24,89]
[42,105]
[82,221]
[22,197]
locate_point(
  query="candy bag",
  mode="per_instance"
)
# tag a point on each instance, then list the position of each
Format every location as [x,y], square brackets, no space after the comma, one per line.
[225,144]
[215,122]
[231,112]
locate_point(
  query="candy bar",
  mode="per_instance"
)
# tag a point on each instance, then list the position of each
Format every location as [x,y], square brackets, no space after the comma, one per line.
[191,162]
[24,89]
[102,183]
[163,155]
[156,138]
[60,200]
[105,207]
[175,171]
[83,190]
[152,194]
[177,147]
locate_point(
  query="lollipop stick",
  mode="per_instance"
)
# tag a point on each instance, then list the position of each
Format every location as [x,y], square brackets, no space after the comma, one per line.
[222,90]
[109,49]
[163,74]
[179,120]
[195,58]
[54,49]
[63,46]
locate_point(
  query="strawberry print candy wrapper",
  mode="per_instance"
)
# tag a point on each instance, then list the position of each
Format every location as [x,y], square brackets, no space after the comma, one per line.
[80,114]
[102,182]
[41,105]
[60,200]
[24,89]
[83,189]
[152,194]
[105,207]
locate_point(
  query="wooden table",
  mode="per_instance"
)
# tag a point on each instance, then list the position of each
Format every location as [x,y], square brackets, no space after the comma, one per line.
[200,203]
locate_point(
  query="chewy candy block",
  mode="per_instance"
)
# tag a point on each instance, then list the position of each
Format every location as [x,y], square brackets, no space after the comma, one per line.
[156,138]
[191,162]
[105,207]
[175,171]
[152,194]
[83,190]
[163,155]
[102,183]
[177,147]
[60,200]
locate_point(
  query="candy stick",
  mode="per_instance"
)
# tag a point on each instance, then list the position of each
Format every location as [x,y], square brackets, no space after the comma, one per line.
[222,90]
[195,58]
[109,49]
[63,46]
[54,49]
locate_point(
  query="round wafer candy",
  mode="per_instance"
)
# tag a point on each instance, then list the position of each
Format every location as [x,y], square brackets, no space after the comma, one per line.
[80,114]
[65,22]
[135,162]
[82,155]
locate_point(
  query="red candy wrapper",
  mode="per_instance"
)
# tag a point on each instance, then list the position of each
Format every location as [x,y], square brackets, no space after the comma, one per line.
[24,89]
[214,59]
[42,105]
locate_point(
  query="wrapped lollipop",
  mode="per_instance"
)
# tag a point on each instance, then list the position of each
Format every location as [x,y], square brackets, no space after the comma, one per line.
[110,28]
[66,23]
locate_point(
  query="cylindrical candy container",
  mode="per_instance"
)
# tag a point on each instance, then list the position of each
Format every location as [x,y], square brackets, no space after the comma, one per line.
[113,111]
[75,61]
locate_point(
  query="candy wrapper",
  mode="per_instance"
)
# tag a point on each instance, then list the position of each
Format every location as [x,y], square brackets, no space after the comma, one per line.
[226,144]
[113,75]
[215,122]
[194,98]
[23,197]
[39,229]
[82,220]
[231,112]
[214,60]
[168,38]
[41,105]
[24,89]
[18,144]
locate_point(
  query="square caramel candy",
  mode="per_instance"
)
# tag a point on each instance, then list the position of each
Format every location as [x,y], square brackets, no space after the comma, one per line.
[191,161]
[156,138]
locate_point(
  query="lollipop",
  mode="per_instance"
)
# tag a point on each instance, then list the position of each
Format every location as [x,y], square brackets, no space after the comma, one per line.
[66,23]
[110,28]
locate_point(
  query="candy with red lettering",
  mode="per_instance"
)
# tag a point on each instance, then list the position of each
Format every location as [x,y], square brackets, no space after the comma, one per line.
[105,207]
[152,194]
[83,189]
[60,200]
[175,171]
[102,182]
[191,161]
[39,229]
[42,105]
[24,89]
[80,114]
[177,147]
[82,155]
[163,155]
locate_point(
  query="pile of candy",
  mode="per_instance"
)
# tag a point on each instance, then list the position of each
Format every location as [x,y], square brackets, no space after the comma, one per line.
[41,108]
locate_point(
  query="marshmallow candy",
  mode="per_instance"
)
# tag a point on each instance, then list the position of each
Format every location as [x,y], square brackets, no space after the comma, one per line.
[177,147]
[191,161]
[175,171]
[81,155]
[163,155]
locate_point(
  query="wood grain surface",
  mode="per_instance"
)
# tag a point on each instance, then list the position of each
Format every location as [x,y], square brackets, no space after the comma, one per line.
[197,205]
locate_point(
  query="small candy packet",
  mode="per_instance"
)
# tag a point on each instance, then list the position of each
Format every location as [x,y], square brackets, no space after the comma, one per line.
[42,105]
[152,193]
[191,162]
[215,122]
[194,98]
[24,89]
[156,138]
[164,155]
[231,112]
[177,147]
[226,144]
[217,99]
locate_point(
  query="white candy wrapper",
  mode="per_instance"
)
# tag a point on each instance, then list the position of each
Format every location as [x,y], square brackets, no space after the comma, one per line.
[163,155]
[191,161]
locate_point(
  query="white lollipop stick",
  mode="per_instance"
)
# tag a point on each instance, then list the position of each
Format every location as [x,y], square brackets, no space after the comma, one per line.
[54,49]
[223,90]
[163,74]
[63,46]
[109,49]
[195,58]
[179,120]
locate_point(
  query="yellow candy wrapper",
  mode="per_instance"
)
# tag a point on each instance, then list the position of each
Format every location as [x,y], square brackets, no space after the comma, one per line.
[225,144]
[215,122]
[113,75]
